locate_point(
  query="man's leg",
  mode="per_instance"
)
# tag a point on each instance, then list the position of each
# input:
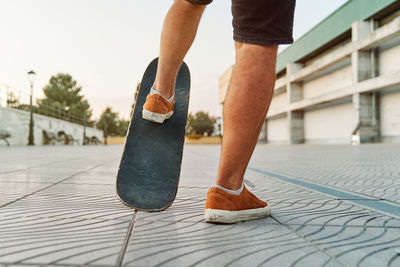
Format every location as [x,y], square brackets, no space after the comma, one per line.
[245,108]
[258,28]
[246,105]
[179,31]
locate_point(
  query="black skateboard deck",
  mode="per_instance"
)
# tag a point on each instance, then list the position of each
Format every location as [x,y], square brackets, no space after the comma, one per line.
[148,174]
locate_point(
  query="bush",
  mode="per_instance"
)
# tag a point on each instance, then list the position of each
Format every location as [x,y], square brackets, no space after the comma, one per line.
[194,136]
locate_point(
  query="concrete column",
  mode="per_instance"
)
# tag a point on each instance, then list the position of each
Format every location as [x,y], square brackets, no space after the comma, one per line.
[364,62]
[360,60]
[263,137]
[295,117]
[366,105]
[294,89]
[296,126]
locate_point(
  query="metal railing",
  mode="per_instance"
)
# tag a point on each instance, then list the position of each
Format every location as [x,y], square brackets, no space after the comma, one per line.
[14,98]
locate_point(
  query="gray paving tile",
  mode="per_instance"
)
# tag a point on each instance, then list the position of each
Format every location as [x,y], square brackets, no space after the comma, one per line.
[91,180]
[369,169]
[201,244]
[71,201]
[182,210]
[356,246]
[12,191]
[30,178]
[75,218]
[69,207]
[337,214]
[20,188]
[192,192]
[58,241]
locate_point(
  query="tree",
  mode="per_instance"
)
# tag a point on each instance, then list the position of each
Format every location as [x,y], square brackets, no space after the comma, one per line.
[122,127]
[189,129]
[12,100]
[108,123]
[200,123]
[63,98]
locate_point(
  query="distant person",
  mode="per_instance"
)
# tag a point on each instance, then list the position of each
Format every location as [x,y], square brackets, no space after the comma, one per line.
[259,27]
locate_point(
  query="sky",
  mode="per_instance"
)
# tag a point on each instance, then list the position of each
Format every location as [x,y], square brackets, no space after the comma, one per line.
[106,45]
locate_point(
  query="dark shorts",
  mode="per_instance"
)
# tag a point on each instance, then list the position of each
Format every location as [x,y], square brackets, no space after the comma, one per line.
[265,22]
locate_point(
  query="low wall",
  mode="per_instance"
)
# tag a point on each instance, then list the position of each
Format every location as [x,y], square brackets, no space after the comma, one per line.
[16,122]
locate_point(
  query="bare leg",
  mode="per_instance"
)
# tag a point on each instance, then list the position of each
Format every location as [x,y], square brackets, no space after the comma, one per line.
[246,105]
[179,31]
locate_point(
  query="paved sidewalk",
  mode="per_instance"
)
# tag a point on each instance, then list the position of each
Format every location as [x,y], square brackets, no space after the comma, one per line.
[331,206]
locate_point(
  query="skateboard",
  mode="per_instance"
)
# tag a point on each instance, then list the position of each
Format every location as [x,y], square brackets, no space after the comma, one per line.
[148,174]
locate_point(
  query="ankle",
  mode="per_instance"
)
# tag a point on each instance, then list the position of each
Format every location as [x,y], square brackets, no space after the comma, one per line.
[154,91]
[230,185]
[230,191]
[167,93]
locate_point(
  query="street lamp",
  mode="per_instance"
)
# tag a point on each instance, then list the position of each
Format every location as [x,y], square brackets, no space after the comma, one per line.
[84,128]
[31,78]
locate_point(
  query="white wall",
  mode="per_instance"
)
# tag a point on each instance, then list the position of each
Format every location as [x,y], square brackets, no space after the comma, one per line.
[277,130]
[330,82]
[390,116]
[17,123]
[389,56]
[278,102]
[332,124]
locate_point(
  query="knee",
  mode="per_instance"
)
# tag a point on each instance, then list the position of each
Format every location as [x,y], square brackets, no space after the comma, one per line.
[255,52]
[256,47]
[188,6]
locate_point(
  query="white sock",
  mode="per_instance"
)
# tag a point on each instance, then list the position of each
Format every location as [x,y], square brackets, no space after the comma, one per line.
[234,192]
[154,91]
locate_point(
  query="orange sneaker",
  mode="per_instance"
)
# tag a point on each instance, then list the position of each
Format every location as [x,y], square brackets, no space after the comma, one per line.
[157,108]
[223,207]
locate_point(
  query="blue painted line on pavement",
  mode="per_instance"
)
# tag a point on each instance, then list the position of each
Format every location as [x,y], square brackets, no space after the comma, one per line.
[376,204]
